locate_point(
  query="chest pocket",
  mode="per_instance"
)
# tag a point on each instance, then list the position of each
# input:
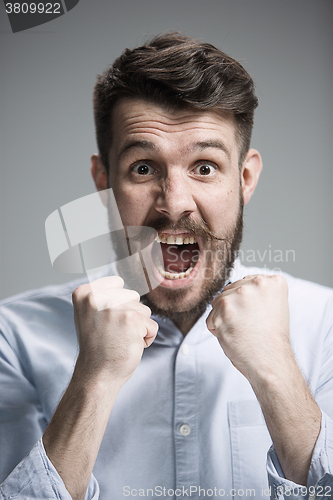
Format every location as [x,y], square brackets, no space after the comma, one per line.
[250,442]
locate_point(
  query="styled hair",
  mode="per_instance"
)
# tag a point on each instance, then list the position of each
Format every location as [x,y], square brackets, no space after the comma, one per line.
[177,72]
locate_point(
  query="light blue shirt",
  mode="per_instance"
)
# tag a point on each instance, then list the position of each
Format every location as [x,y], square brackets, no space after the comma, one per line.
[186,425]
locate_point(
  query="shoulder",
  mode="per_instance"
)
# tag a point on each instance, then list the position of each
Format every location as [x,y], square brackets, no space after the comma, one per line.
[52,293]
[38,313]
[298,285]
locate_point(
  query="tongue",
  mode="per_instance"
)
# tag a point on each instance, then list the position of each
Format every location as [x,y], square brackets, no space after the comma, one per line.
[178,258]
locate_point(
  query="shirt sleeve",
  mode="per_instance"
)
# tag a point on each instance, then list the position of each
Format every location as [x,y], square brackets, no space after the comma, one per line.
[36,478]
[22,423]
[320,477]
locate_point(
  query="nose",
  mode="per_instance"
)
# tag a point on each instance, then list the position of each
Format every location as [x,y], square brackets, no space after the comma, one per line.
[175,198]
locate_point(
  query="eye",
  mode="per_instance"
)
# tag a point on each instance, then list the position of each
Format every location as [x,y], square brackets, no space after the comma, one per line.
[205,169]
[143,169]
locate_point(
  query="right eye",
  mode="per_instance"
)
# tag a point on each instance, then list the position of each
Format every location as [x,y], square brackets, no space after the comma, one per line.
[143,169]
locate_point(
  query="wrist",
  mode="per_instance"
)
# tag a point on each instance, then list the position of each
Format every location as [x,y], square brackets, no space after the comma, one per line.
[95,379]
[273,371]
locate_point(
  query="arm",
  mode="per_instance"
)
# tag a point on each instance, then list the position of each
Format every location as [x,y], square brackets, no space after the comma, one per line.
[251,321]
[113,329]
[25,471]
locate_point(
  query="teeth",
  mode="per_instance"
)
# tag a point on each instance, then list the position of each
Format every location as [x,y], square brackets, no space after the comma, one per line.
[177,239]
[171,240]
[174,276]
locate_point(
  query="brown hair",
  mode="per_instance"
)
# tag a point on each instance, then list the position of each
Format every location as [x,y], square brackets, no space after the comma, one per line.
[176,71]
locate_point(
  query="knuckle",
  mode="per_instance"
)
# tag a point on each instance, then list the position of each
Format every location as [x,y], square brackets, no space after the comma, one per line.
[280,280]
[80,291]
[259,280]
[136,295]
[90,300]
[117,281]
[131,315]
[146,309]
[244,290]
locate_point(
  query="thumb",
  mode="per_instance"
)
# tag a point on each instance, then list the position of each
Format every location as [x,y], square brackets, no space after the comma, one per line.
[152,329]
[210,322]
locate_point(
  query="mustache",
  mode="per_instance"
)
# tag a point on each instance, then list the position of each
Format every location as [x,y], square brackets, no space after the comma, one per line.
[188,225]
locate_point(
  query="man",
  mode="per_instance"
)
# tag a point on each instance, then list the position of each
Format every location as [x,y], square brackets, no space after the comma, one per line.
[196,412]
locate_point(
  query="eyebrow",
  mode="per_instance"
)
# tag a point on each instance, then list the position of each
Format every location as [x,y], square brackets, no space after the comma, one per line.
[202,145]
[150,146]
[134,144]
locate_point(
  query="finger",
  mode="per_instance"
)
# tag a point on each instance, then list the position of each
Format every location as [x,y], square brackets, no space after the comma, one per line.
[108,282]
[131,305]
[136,306]
[236,284]
[210,322]
[241,281]
[145,310]
[152,329]
[214,322]
[253,276]
[114,298]
[119,298]
[233,287]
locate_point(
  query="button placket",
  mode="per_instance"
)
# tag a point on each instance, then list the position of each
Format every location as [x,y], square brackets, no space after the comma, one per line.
[185,432]
[185,349]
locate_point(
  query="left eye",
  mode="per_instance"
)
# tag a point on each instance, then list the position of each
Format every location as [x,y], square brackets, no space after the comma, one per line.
[143,169]
[204,169]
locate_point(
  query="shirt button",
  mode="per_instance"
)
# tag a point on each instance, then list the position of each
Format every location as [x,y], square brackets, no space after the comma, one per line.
[185,429]
[185,349]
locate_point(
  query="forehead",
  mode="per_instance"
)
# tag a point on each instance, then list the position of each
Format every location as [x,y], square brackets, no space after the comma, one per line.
[135,119]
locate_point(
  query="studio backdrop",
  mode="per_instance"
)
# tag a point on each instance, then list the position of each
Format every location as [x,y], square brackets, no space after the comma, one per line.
[47,133]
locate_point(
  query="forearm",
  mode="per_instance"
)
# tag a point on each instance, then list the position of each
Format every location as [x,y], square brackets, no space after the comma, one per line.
[292,417]
[73,437]
[111,337]
[251,321]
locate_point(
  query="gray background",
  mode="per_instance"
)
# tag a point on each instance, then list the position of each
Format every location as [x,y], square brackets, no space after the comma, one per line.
[47,132]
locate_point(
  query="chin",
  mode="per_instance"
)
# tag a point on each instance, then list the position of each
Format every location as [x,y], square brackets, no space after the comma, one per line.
[182,303]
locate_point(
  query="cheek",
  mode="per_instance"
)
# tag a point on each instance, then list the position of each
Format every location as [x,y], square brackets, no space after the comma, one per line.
[133,205]
[220,210]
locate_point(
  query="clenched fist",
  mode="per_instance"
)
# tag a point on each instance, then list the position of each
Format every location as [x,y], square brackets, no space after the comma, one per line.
[113,328]
[251,321]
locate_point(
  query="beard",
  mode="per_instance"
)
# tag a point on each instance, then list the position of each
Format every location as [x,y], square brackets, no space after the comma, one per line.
[219,254]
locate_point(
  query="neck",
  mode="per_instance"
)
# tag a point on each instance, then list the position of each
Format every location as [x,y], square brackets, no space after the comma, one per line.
[185,325]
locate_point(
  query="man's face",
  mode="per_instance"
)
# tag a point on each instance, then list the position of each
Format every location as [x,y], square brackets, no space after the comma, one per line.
[178,172]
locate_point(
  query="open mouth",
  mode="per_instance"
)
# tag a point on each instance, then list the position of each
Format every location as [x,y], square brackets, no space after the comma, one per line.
[180,255]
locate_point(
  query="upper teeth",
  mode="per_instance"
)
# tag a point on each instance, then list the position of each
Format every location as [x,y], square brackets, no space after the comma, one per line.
[175,240]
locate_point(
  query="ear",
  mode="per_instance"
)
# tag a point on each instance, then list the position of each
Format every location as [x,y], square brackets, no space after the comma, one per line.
[98,173]
[250,173]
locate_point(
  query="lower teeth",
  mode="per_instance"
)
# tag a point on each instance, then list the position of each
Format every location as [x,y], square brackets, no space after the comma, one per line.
[174,276]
